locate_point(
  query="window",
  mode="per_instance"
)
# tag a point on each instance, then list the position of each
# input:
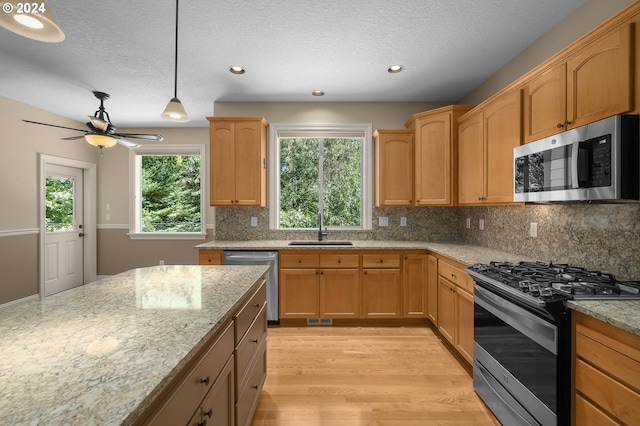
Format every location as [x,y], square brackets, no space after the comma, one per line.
[323,169]
[168,198]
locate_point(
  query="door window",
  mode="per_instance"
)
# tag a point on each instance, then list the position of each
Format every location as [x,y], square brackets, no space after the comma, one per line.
[59,204]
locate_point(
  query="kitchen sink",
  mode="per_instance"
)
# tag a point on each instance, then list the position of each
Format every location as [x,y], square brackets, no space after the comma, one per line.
[320,243]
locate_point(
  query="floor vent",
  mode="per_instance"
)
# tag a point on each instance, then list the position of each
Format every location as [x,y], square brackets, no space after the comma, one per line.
[319,321]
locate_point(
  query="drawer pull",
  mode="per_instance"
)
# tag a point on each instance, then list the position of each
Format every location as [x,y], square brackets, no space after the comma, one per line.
[208,413]
[202,423]
[254,387]
[205,381]
[453,275]
[381,260]
[255,341]
[257,305]
[339,261]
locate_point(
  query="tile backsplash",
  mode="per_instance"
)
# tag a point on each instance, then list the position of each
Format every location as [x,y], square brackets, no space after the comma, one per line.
[597,236]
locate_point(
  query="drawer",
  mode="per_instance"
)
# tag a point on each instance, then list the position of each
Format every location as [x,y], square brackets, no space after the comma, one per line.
[612,362]
[189,393]
[588,414]
[455,275]
[611,395]
[210,257]
[383,260]
[339,260]
[248,312]
[248,399]
[219,402]
[247,348]
[292,260]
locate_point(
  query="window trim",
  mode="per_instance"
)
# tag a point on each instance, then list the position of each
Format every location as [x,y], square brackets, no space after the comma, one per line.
[275,129]
[134,189]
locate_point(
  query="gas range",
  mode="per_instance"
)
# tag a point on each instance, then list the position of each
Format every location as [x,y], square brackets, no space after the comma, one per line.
[543,284]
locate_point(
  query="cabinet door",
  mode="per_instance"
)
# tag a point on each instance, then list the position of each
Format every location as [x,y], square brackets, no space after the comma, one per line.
[545,104]
[599,78]
[249,167]
[218,407]
[432,289]
[394,168]
[433,160]
[339,293]
[222,164]
[503,132]
[381,293]
[471,159]
[464,324]
[447,309]
[414,286]
[299,293]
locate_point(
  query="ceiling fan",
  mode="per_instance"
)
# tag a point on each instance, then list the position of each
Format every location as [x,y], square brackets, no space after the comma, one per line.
[101,132]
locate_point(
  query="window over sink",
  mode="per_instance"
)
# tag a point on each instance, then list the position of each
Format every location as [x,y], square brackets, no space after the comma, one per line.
[320,169]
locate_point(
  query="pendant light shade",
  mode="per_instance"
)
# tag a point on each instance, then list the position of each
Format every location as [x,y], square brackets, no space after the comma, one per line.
[101,141]
[31,20]
[175,111]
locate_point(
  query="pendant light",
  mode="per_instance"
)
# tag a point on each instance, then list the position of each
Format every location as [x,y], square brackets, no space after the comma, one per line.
[175,111]
[31,20]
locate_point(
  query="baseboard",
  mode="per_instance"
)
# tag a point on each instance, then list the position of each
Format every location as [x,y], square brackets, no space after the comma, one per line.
[20,301]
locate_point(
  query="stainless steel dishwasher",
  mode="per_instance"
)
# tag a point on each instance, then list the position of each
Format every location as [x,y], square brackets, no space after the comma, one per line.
[234,257]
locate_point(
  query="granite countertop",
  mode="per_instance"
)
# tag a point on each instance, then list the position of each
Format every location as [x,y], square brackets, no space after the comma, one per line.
[463,253]
[624,314]
[100,353]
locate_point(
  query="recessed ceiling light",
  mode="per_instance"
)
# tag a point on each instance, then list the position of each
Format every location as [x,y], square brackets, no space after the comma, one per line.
[236,70]
[317,93]
[393,69]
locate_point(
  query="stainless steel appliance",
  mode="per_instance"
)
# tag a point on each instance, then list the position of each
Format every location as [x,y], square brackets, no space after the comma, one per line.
[595,162]
[255,257]
[522,335]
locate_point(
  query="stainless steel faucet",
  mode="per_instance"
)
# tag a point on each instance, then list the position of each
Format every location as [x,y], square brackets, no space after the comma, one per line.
[321,233]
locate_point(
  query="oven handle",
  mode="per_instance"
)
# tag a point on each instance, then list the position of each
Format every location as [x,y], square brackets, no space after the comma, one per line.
[537,329]
[575,148]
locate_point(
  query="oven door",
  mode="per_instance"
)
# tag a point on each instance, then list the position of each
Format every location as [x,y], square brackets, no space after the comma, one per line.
[515,366]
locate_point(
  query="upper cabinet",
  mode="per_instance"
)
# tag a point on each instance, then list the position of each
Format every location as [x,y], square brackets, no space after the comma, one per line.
[393,150]
[592,83]
[486,138]
[238,161]
[436,155]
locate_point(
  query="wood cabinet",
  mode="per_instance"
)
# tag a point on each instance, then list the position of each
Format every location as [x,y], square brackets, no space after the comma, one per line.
[595,82]
[218,405]
[436,155]
[319,285]
[210,257]
[393,167]
[432,289]
[238,161]
[486,138]
[415,298]
[455,307]
[606,366]
[381,285]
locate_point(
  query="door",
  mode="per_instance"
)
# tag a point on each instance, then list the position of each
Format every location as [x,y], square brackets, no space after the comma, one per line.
[64,218]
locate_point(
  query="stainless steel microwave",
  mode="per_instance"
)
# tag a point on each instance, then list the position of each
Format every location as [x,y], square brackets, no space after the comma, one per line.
[595,162]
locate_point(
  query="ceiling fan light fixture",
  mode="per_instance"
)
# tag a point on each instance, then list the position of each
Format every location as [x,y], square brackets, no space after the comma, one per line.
[38,24]
[175,112]
[101,141]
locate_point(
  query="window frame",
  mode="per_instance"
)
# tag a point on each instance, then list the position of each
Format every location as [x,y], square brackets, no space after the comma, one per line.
[135,163]
[326,130]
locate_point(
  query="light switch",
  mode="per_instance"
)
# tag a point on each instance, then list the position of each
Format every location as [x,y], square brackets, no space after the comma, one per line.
[383,221]
[533,230]
[481,224]
[254,221]
[107,217]
[403,221]
[468,223]
[107,207]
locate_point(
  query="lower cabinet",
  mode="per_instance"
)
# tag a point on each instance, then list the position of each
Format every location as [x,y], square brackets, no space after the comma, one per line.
[455,307]
[218,406]
[210,257]
[381,286]
[432,288]
[415,298]
[606,374]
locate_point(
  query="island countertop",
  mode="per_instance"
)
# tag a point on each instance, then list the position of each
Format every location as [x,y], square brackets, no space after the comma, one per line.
[100,353]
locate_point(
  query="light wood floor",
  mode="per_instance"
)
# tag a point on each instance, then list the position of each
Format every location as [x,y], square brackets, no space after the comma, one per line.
[332,376]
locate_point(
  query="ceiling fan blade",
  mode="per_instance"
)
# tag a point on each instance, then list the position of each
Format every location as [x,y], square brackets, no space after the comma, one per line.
[127,143]
[72,138]
[54,125]
[149,137]
[101,124]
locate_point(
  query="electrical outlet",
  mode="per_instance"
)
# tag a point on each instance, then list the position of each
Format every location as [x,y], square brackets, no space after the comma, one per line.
[481,224]
[533,230]
[107,217]
[254,221]
[468,223]
[383,221]
[107,207]
[161,262]
[403,221]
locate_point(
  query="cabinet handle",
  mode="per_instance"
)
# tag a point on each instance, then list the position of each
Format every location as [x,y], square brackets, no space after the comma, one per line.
[381,260]
[202,423]
[208,413]
[560,126]
[205,381]
[566,123]
[365,272]
[255,387]
[264,163]
[321,273]
[257,305]
[339,261]
[453,275]
[255,341]
[299,260]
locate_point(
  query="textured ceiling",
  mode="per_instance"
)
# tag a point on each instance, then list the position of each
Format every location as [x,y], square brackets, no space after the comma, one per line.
[288,47]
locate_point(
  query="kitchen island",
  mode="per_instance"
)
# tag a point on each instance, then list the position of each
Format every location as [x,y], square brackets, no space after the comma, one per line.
[104,352]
